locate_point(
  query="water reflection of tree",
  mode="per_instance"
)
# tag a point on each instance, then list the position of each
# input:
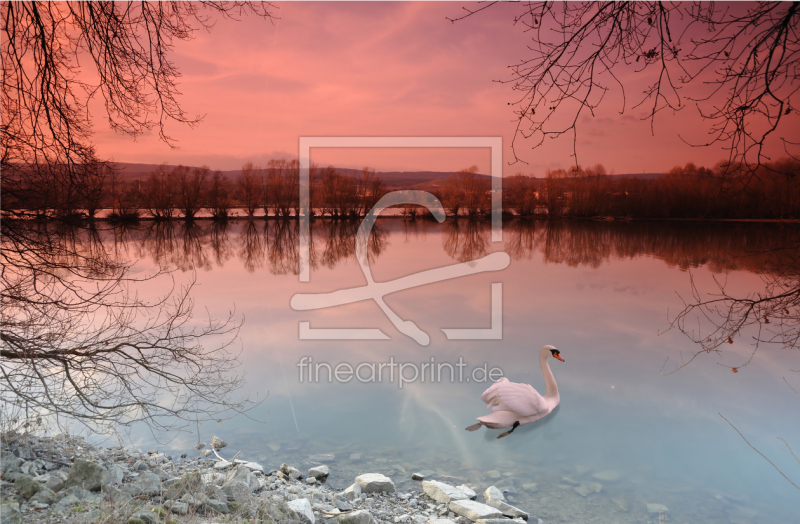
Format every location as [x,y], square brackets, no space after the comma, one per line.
[160,242]
[765,317]
[339,240]
[221,245]
[78,244]
[251,247]
[193,255]
[686,245]
[719,247]
[768,316]
[283,247]
[417,229]
[578,246]
[123,242]
[466,240]
[79,343]
[524,238]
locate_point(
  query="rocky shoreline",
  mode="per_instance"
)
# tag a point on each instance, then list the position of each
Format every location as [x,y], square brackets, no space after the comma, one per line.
[65,479]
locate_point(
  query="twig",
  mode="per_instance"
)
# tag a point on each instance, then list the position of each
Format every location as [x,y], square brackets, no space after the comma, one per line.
[218,455]
[790,386]
[757,451]
[790,450]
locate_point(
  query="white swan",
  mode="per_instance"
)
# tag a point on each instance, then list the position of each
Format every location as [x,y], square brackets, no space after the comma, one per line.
[516,404]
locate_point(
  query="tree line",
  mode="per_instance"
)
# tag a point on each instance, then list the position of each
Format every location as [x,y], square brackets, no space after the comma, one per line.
[724,191]
[180,191]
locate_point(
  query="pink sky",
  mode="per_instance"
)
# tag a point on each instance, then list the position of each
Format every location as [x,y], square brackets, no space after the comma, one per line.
[373,69]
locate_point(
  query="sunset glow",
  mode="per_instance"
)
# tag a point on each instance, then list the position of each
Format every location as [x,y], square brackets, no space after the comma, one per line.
[393,69]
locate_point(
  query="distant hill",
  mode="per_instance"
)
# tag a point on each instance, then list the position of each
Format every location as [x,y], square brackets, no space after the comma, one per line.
[423,180]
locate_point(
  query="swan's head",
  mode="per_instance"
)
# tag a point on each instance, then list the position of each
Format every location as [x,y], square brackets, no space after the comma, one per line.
[553,351]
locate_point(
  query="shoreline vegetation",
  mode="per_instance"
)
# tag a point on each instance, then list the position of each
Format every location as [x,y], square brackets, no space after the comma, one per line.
[770,192]
[421,216]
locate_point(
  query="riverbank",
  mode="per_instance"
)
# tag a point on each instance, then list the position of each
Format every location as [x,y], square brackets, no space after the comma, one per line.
[67,480]
[106,216]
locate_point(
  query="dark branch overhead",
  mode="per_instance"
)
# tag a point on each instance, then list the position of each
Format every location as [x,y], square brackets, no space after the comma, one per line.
[736,64]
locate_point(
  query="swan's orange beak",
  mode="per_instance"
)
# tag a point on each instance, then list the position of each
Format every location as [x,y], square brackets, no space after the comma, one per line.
[559,357]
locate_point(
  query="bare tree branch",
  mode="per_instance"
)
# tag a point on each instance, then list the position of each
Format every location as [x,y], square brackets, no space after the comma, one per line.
[735,64]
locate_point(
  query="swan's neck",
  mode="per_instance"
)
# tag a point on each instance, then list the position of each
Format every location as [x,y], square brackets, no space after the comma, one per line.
[549,379]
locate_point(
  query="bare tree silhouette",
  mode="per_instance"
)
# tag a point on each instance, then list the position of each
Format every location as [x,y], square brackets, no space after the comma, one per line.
[736,64]
[75,339]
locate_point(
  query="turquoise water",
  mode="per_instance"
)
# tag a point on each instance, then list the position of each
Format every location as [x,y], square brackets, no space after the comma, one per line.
[602,293]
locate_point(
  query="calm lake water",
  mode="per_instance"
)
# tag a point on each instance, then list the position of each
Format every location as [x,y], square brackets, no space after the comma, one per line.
[603,293]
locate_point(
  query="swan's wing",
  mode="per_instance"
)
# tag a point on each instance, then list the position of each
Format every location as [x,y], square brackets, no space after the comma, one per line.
[522,399]
[493,390]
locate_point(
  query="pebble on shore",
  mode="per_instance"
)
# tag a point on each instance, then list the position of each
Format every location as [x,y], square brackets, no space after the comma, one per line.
[66,479]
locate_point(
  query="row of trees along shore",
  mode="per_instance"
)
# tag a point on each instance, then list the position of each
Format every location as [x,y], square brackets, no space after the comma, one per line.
[771,191]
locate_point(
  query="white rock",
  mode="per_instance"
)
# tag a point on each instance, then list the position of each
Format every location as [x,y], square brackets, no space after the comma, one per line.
[361,516]
[507,509]
[353,491]
[466,490]
[474,510]
[441,492]
[319,472]
[223,464]
[441,521]
[252,466]
[292,472]
[217,443]
[374,483]
[311,480]
[493,493]
[656,508]
[303,508]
